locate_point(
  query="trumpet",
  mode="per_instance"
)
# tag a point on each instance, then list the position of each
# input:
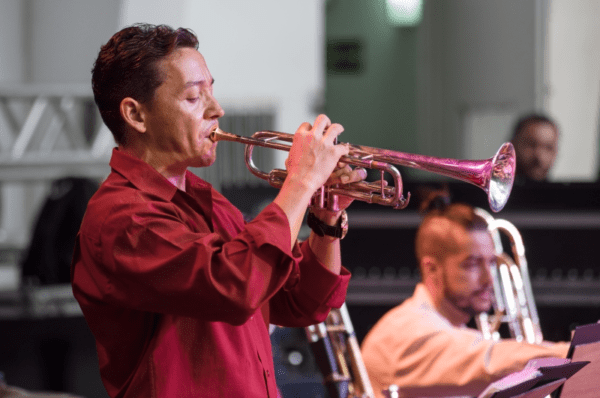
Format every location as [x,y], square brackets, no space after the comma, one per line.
[494,175]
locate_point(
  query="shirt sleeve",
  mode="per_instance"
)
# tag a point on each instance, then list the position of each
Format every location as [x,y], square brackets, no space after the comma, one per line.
[149,260]
[310,293]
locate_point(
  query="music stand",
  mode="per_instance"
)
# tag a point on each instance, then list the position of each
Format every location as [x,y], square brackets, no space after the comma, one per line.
[539,378]
[585,346]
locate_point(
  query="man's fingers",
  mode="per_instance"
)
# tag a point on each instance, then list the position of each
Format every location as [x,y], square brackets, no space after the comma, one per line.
[322,122]
[360,173]
[346,175]
[323,127]
[333,132]
[355,175]
[304,127]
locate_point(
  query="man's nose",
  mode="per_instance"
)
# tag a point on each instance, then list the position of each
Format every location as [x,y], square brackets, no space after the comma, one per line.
[486,275]
[213,109]
[542,155]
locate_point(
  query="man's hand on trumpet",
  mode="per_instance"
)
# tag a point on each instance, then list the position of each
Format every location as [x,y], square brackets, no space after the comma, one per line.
[343,174]
[313,161]
[314,154]
[327,248]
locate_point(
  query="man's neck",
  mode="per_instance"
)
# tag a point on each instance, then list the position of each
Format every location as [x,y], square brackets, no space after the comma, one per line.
[446,308]
[177,180]
[454,315]
[174,175]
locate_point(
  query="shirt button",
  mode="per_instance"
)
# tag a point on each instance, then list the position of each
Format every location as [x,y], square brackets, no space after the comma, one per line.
[268,373]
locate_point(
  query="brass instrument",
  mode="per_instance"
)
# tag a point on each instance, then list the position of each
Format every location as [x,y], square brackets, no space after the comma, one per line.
[337,353]
[495,175]
[514,301]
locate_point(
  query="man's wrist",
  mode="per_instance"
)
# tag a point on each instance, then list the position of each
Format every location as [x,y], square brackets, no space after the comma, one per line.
[326,216]
[329,223]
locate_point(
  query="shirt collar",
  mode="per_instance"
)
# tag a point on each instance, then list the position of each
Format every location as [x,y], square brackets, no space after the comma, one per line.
[423,295]
[425,300]
[142,175]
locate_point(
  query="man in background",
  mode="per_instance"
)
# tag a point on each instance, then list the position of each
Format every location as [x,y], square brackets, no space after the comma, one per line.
[535,138]
[423,345]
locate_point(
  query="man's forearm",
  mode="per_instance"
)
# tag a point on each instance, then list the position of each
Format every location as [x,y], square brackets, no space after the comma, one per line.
[327,250]
[293,199]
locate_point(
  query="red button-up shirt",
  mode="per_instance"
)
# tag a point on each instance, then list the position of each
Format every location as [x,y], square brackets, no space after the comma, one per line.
[178,291]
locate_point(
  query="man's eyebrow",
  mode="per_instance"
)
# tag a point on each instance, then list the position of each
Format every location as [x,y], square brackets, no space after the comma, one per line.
[472,258]
[198,82]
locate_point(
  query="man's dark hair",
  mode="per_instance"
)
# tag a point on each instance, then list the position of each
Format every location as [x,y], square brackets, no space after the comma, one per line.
[532,118]
[127,67]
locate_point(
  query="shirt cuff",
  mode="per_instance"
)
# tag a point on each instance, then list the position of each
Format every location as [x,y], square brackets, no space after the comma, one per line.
[308,274]
[319,283]
[273,228]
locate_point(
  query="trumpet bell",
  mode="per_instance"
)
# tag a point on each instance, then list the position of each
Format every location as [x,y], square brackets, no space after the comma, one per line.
[502,177]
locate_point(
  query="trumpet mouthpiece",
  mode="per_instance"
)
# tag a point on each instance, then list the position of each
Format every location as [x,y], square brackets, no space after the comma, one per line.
[213,134]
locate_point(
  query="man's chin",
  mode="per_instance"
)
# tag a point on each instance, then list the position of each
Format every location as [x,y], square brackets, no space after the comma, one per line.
[208,162]
[205,160]
[482,307]
[538,175]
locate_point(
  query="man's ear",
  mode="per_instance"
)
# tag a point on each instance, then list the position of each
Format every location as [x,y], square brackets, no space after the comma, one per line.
[133,114]
[430,267]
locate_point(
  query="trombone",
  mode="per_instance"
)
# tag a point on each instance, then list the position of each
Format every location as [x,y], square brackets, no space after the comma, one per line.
[494,175]
[514,300]
[337,353]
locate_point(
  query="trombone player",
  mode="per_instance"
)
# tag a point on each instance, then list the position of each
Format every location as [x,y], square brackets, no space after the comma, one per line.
[423,345]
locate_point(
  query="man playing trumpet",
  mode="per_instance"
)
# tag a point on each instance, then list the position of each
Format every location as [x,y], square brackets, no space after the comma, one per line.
[423,345]
[176,288]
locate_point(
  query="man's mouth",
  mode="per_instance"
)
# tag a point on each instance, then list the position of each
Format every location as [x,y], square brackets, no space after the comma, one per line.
[485,294]
[213,134]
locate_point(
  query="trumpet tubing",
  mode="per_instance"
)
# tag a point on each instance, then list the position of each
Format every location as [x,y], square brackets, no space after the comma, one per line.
[494,175]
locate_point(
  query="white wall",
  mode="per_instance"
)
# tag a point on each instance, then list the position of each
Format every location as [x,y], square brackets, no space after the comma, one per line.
[66,36]
[13,51]
[477,67]
[152,11]
[12,45]
[573,80]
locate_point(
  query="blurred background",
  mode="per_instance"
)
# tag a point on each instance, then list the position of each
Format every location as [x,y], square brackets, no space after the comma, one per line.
[446,78]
